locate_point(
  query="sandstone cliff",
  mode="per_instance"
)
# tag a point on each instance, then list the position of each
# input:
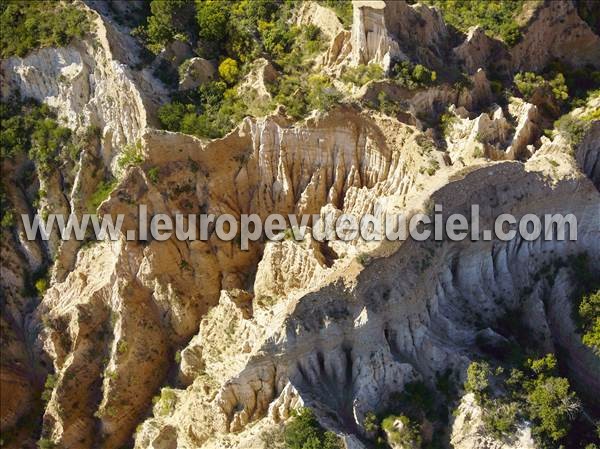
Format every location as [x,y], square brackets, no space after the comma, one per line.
[203,345]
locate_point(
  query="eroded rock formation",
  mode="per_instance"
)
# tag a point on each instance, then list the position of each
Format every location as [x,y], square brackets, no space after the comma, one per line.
[247,336]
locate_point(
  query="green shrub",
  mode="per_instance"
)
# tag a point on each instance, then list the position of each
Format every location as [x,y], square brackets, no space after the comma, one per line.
[166,402]
[8,219]
[572,128]
[30,24]
[447,121]
[499,419]
[153,175]
[413,76]
[407,436]
[363,259]
[212,17]
[101,193]
[122,347]
[528,83]
[46,443]
[31,129]
[478,380]
[371,423]
[533,393]
[277,38]
[41,285]
[301,94]
[385,105]
[589,317]
[304,432]
[49,386]
[171,115]
[131,155]
[229,71]
[551,405]
[362,74]
[216,110]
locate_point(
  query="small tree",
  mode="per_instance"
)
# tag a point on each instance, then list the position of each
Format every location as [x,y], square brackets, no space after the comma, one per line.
[552,405]
[212,17]
[229,70]
[478,379]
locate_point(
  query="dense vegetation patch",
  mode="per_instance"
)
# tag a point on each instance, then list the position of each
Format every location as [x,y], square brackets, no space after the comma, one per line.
[532,392]
[497,17]
[413,76]
[589,313]
[216,107]
[362,74]
[586,301]
[30,24]
[31,129]
[168,20]
[304,432]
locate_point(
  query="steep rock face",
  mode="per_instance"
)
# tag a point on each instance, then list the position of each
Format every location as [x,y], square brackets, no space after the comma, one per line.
[164,289]
[100,321]
[90,85]
[467,431]
[324,18]
[552,32]
[588,151]
[481,51]
[384,31]
[287,323]
[343,349]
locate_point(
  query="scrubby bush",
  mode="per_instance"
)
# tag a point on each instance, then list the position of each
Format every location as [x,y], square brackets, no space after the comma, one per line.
[413,76]
[385,105]
[277,37]
[32,129]
[166,402]
[552,405]
[589,312]
[401,431]
[447,121]
[371,423]
[478,380]
[229,70]
[362,74]
[101,193]
[572,128]
[303,94]
[131,155]
[529,83]
[304,432]
[153,175]
[212,17]
[41,285]
[30,24]
[499,418]
[49,386]
[46,443]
